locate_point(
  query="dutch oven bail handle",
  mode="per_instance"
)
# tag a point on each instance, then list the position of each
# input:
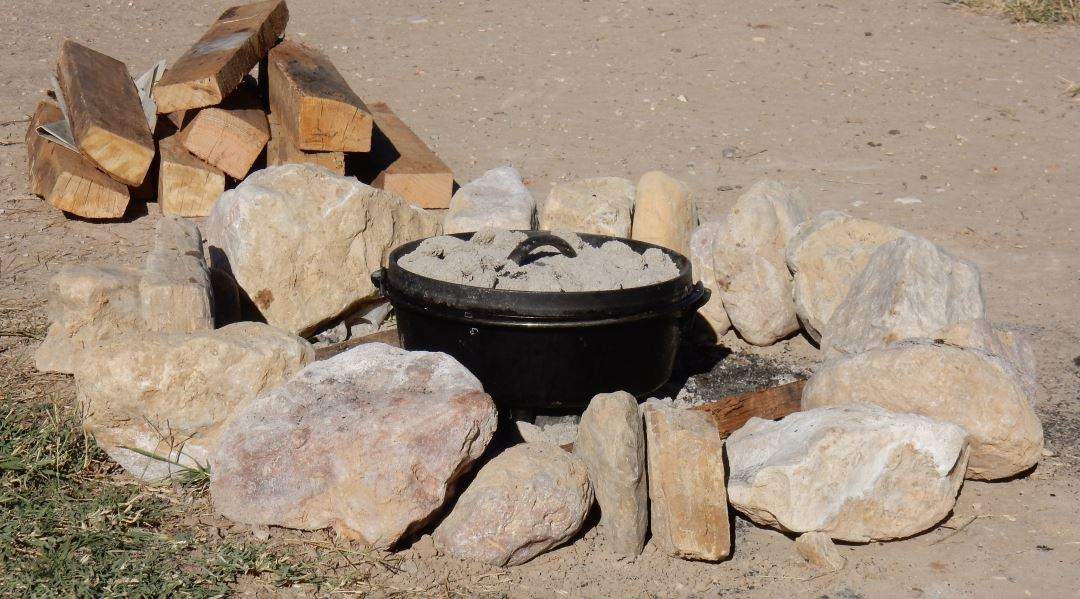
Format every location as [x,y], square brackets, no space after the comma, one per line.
[524,248]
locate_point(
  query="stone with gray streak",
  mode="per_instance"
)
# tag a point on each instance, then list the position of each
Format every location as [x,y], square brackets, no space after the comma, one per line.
[495,200]
[601,205]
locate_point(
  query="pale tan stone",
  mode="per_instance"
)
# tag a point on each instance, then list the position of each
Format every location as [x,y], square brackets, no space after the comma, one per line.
[175,292]
[611,442]
[87,304]
[819,550]
[601,205]
[856,473]
[530,498]
[748,259]
[825,256]
[664,212]
[701,261]
[302,242]
[971,388]
[370,442]
[498,199]
[1008,345]
[688,500]
[169,394]
[910,288]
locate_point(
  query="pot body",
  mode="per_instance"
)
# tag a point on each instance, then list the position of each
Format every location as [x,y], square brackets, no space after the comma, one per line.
[552,363]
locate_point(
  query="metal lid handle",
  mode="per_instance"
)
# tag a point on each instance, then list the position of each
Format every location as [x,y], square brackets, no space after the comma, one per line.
[526,247]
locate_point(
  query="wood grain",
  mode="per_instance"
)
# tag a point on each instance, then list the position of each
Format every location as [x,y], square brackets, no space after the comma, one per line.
[67,179]
[106,117]
[773,403]
[314,102]
[413,171]
[389,337]
[282,149]
[187,185]
[217,63]
[230,136]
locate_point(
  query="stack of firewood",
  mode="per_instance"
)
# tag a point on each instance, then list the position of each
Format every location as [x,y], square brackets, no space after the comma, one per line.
[211,119]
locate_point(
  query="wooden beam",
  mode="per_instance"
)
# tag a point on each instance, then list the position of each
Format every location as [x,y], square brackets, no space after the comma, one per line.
[105,114]
[230,136]
[314,102]
[389,337]
[217,63]
[412,170]
[282,149]
[773,403]
[187,186]
[67,179]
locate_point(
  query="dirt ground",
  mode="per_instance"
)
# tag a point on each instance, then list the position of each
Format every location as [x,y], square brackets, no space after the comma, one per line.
[862,104]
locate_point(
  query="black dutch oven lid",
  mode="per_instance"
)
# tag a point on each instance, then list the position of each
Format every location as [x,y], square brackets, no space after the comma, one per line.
[424,292]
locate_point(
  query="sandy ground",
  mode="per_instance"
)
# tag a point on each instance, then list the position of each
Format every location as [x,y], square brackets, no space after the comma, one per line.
[860,103]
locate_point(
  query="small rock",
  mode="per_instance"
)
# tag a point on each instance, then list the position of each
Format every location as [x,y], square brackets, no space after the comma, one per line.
[525,501]
[748,258]
[601,206]
[689,514]
[664,212]
[370,442]
[497,199]
[170,394]
[855,473]
[87,304]
[611,442]
[819,550]
[825,256]
[701,260]
[968,387]
[910,288]
[302,242]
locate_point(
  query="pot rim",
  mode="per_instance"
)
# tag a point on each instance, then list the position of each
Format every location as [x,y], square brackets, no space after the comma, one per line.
[480,302]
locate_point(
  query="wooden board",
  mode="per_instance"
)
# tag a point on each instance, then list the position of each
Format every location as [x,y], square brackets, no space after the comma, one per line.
[413,171]
[105,114]
[282,149]
[230,136]
[67,179]
[314,102]
[187,186]
[389,337]
[217,63]
[732,412]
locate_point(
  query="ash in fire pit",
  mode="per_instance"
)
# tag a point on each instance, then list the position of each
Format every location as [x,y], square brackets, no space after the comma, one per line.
[483,261]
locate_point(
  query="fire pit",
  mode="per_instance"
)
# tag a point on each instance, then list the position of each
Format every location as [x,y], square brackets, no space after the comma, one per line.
[547,350]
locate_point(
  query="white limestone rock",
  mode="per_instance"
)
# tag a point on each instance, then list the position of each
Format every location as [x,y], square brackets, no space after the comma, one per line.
[530,498]
[664,212]
[601,205]
[611,442]
[496,200]
[370,442]
[302,242]
[910,288]
[825,256]
[856,473]
[169,394]
[969,387]
[748,260]
[701,261]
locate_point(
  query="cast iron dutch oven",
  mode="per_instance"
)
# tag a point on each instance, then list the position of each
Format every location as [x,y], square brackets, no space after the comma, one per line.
[547,351]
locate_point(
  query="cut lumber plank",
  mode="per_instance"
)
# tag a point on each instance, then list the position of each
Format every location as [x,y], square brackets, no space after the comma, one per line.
[187,186]
[230,136]
[217,63]
[282,149]
[413,171]
[314,102]
[67,179]
[732,412]
[105,113]
[389,337]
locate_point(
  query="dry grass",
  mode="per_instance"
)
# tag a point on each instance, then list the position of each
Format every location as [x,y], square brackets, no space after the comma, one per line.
[1029,11]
